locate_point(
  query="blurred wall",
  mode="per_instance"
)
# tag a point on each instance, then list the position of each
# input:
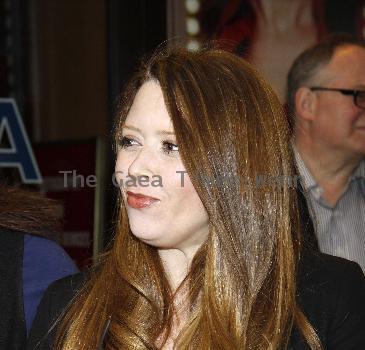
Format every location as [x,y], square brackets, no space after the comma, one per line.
[68,69]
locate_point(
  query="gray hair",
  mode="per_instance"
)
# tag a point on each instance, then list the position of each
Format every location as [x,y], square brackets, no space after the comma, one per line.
[310,62]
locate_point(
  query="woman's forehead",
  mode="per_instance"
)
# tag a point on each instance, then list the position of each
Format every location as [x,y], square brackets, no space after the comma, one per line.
[148,109]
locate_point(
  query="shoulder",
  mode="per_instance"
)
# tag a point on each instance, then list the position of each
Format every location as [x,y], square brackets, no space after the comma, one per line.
[64,289]
[331,293]
[11,238]
[59,294]
[54,302]
[337,277]
[44,261]
[44,250]
[316,267]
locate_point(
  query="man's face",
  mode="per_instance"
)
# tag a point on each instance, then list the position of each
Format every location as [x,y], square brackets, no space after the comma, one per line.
[339,124]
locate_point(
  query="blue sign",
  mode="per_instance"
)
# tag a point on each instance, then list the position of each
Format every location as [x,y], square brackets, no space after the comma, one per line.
[19,154]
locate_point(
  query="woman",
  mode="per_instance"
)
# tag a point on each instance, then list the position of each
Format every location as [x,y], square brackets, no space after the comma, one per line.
[205,256]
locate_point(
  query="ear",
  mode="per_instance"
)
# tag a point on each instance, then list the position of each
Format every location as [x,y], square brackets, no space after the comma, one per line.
[305,103]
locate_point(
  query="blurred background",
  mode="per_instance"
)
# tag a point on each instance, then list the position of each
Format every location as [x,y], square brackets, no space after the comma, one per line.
[63,64]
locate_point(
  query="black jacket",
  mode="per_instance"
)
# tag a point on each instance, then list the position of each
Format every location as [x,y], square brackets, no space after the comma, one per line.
[331,293]
[307,228]
[12,322]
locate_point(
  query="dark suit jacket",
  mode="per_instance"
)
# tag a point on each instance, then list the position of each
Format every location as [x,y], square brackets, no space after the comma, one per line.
[13,331]
[331,293]
[308,233]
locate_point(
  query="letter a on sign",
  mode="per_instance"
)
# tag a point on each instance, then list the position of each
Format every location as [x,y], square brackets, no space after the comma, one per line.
[19,154]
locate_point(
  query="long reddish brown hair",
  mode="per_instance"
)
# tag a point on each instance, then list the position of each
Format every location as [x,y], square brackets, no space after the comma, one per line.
[230,128]
[28,211]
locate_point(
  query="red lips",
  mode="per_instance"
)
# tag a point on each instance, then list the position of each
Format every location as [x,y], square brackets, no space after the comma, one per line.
[138,201]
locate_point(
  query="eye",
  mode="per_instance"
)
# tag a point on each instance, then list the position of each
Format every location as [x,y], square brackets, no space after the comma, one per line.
[361,97]
[170,147]
[127,142]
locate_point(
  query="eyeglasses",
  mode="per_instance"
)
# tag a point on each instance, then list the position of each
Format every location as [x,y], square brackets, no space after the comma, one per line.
[358,95]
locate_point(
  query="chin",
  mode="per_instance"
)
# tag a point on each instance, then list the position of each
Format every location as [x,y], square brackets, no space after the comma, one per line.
[157,239]
[145,233]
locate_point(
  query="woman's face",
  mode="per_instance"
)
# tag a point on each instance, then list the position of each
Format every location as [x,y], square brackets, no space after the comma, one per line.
[163,207]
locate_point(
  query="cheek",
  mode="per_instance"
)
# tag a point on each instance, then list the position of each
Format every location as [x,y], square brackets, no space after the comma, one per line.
[188,199]
[178,183]
[346,122]
[346,116]
[187,189]
[336,123]
[121,169]
[355,116]
[119,163]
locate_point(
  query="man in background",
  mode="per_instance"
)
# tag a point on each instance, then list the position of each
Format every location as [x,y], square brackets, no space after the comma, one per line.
[326,98]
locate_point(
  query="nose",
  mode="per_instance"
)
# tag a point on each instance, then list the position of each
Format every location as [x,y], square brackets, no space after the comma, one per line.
[143,165]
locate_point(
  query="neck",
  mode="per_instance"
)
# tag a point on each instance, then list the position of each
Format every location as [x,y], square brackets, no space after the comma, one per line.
[177,263]
[284,14]
[331,169]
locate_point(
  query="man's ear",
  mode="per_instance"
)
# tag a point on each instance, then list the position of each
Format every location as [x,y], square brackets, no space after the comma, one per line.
[305,103]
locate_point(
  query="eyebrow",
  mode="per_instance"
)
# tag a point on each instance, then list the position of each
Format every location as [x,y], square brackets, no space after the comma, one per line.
[160,132]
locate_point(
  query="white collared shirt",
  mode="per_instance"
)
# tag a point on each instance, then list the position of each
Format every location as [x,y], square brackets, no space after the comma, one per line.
[340,229]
